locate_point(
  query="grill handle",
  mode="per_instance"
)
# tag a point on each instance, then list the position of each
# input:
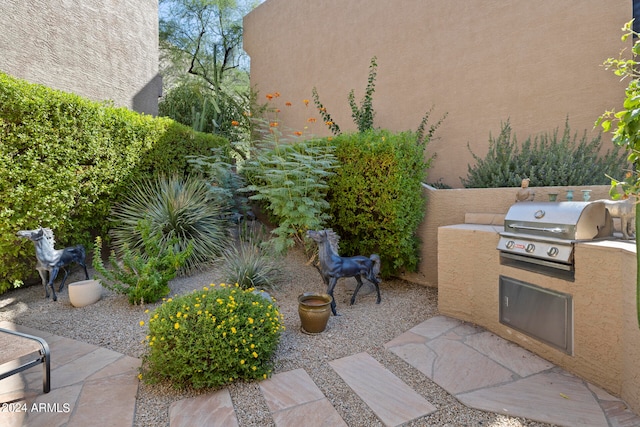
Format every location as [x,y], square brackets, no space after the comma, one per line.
[555,230]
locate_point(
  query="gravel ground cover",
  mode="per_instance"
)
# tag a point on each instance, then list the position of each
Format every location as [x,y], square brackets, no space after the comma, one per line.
[364,327]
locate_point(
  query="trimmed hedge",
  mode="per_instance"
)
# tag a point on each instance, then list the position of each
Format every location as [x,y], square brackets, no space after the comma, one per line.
[65,160]
[376,196]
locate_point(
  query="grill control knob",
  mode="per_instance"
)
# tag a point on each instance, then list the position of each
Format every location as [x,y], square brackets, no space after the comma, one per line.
[530,247]
[510,244]
[553,251]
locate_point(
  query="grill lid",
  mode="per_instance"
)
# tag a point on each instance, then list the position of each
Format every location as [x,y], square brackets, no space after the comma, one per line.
[559,220]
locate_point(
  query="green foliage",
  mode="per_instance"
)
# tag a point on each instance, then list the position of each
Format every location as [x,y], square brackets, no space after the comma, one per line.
[180,211]
[333,126]
[222,180]
[250,264]
[290,180]
[376,196]
[547,160]
[363,116]
[170,154]
[143,279]
[627,131]
[212,337]
[196,105]
[64,162]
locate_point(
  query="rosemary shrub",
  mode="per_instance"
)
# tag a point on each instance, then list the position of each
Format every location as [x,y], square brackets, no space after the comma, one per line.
[547,160]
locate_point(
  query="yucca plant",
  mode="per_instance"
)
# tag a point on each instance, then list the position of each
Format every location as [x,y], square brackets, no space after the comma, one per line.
[179,210]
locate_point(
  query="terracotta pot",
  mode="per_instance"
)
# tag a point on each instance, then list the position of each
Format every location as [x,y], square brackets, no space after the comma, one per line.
[314,311]
[84,292]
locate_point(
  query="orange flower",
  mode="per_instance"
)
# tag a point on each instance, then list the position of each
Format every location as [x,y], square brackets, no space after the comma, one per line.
[311,120]
[322,109]
[277,110]
[276,94]
[330,138]
[235,123]
[328,123]
[306,102]
[269,96]
[288,104]
[273,124]
[298,133]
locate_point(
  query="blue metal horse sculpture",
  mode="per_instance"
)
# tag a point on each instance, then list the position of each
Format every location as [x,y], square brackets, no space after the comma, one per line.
[51,260]
[334,267]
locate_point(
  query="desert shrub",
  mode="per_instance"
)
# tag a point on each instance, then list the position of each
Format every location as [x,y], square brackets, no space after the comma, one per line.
[65,161]
[376,196]
[249,263]
[142,279]
[179,210]
[547,160]
[220,175]
[290,181]
[212,337]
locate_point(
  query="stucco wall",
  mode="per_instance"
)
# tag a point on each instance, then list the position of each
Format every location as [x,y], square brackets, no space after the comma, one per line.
[99,49]
[606,337]
[481,61]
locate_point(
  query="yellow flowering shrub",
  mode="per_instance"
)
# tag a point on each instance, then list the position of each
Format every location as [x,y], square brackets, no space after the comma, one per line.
[212,337]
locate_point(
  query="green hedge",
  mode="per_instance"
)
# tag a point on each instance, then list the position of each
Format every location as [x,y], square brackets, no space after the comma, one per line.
[64,162]
[376,196]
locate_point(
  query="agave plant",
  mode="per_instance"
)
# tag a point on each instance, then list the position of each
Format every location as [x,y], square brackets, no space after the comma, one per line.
[181,211]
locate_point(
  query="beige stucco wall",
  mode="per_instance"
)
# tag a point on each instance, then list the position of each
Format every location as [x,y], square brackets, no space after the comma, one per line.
[99,49]
[606,340]
[481,61]
[465,205]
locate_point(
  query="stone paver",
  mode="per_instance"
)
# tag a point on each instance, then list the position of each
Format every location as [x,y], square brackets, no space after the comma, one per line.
[478,368]
[89,386]
[508,354]
[294,399]
[487,372]
[392,401]
[566,400]
[212,410]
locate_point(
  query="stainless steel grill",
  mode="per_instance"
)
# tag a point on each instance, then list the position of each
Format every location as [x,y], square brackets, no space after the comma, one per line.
[541,236]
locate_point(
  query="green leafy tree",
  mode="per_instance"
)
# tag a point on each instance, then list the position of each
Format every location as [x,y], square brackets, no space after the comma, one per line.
[625,126]
[201,55]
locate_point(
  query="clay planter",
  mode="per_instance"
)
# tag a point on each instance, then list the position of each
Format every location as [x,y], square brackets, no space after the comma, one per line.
[84,292]
[314,311]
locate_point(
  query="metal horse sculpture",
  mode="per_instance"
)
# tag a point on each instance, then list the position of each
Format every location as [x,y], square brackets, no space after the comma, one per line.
[52,260]
[334,267]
